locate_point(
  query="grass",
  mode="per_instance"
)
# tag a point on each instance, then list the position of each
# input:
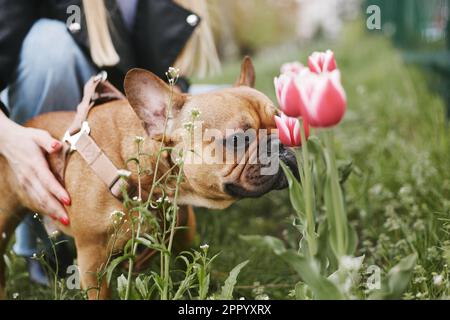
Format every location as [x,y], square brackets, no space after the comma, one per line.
[398,196]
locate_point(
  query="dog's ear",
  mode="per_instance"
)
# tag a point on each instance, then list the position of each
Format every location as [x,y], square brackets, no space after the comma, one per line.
[149,96]
[247,76]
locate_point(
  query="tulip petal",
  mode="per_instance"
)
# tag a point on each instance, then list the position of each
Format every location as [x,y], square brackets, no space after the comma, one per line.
[319,62]
[330,104]
[290,99]
[296,136]
[329,61]
[283,131]
[313,65]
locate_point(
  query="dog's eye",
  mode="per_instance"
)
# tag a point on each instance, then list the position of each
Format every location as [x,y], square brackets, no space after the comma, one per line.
[237,141]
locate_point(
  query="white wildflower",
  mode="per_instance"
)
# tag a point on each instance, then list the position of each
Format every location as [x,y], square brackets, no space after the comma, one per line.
[437,280]
[172,75]
[195,113]
[15,295]
[117,216]
[4,235]
[204,246]
[351,263]
[163,200]
[138,139]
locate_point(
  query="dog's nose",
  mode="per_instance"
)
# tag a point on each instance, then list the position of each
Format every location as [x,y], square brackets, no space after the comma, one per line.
[288,157]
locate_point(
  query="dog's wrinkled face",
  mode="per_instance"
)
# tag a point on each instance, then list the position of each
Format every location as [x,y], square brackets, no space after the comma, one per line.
[227,138]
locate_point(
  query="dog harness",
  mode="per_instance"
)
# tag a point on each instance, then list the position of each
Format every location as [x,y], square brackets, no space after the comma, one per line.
[77,138]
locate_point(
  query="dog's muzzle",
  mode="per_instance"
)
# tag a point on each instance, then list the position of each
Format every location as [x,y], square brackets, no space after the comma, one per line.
[266,184]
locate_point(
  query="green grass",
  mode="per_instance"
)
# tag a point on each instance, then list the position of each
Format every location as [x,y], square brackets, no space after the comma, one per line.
[398,197]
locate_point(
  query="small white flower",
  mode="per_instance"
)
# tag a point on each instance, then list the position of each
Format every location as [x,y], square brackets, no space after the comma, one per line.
[241,298]
[204,246]
[351,263]
[15,295]
[195,113]
[117,216]
[138,139]
[172,75]
[123,173]
[437,280]
[34,256]
[4,235]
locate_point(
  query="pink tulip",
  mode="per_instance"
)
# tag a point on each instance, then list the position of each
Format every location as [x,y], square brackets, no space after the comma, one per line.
[320,62]
[292,68]
[322,98]
[288,95]
[289,130]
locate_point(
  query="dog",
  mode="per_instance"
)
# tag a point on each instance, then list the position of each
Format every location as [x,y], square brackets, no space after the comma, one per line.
[114,127]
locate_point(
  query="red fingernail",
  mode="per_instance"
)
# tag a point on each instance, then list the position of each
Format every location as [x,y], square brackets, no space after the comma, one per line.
[66,201]
[64,221]
[56,144]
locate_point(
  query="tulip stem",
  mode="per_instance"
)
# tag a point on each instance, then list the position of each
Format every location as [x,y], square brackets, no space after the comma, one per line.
[308,192]
[337,198]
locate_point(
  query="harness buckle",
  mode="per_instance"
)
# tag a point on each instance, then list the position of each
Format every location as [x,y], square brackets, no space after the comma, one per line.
[72,140]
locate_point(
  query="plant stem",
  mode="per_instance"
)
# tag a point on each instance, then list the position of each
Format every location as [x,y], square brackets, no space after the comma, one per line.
[134,244]
[164,295]
[337,198]
[308,193]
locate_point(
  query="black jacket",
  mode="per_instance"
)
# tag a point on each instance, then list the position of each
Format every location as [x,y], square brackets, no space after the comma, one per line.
[161,31]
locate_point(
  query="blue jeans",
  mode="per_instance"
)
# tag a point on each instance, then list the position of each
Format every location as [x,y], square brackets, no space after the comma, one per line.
[50,76]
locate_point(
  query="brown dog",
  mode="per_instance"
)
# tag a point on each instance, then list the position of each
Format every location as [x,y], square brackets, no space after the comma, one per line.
[114,127]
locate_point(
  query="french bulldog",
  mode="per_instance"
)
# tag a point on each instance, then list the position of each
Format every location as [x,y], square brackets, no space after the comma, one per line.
[115,126]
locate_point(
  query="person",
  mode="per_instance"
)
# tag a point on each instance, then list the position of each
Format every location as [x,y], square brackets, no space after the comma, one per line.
[51,48]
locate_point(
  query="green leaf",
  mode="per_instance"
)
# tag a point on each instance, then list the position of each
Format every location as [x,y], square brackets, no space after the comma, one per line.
[398,279]
[121,285]
[295,190]
[142,287]
[309,271]
[345,168]
[113,265]
[400,275]
[352,240]
[272,243]
[228,287]
[302,291]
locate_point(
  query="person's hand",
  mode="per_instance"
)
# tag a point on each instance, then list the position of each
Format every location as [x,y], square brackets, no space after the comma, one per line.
[24,149]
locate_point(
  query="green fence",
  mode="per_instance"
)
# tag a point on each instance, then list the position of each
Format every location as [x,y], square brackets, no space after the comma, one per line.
[416,24]
[422,29]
